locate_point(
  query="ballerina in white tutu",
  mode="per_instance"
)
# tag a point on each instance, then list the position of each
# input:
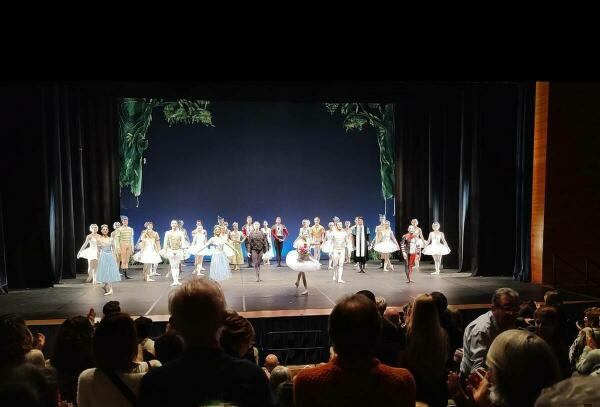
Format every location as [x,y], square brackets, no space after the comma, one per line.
[89,251]
[303,234]
[149,254]
[174,249]
[436,246]
[299,260]
[386,244]
[219,263]
[269,254]
[199,238]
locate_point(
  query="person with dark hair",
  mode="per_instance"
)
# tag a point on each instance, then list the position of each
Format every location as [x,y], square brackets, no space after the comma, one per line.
[591,330]
[29,386]
[15,341]
[111,307]
[361,244]
[547,327]
[205,373]
[354,377]
[72,354]
[116,379]
[368,294]
[453,331]
[480,333]
[567,328]
[237,336]
[169,346]
[146,352]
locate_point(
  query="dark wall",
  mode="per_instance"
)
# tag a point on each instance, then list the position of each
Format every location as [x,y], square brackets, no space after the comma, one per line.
[571,220]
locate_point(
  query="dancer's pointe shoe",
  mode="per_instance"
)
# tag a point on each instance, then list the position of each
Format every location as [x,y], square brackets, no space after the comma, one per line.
[109,292]
[385,270]
[168,274]
[174,283]
[341,281]
[89,280]
[297,283]
[305,292]
[149,279]
[436,272]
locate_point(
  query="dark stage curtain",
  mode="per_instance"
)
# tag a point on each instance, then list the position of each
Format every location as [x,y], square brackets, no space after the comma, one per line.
[464,158]
[62,175]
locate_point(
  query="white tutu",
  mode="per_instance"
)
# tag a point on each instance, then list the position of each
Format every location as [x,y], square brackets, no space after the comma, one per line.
[147,256]
[180,254]
[228,251]
[295,264]
[90,253]
[298,242]
[436,248]
[327,247]
[195,250]
[387,246]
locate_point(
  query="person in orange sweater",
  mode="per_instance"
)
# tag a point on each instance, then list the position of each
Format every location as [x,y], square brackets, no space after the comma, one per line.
[353,377]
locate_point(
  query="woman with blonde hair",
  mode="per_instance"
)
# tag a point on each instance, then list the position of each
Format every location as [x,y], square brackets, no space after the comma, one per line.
[427,351]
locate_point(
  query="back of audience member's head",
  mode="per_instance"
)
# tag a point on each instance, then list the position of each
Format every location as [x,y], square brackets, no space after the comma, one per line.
[15,340]
[271,362]
[527,309]
[115,343]
[279,375]
[143,325]
[427,340]
[368,294]
[354,327]
[441,302]
[553,299]
[547,322]
[592,317]
[198,311]
[381,305]
[111,307]
[72,351]
[392,315]
[237,335]
[29,386]
[169,346]
[575,391]
[521,365]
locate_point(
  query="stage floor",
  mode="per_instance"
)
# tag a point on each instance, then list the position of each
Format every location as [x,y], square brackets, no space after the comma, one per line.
[275,296]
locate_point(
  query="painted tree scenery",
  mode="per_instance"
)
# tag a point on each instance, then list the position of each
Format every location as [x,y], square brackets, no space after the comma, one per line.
[135,119]
[381,118]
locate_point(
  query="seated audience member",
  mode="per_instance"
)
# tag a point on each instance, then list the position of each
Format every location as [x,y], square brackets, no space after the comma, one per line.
[480,333]
[271,362]
[520,364]
[279,375]
[169,346]
[547,326]
[525,318]
[427,352]
[392,341]
[36,355]
[237,337]
[392,315]
[29,386]
[111,307]
[575,392]
[453,331]
[354,377]
[205,373]
[15,342]
[72,354]
[146,352]
[591,321]
[567,328]
[589,360]
[116,379]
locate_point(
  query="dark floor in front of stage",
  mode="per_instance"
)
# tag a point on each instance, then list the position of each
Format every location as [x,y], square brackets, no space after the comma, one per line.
[276,292]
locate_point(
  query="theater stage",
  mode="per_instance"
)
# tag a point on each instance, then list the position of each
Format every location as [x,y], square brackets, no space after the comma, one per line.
[275,296]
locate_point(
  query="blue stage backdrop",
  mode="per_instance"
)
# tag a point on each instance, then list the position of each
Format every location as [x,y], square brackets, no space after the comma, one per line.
[293,160]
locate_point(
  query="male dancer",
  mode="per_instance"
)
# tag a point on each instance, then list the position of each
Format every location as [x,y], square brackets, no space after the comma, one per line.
[409,247]
[124,244]
[279,233]
[379,228]
[340,243]
[353,231]
[186,240]
[246,230]
[318,234]
[257,245]
[361,239]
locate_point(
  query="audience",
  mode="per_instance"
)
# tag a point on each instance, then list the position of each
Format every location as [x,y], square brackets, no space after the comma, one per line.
[480,333]
[29,386]
[237,337]
[589,360]
[146,351]
[279,375]
[567,327]
[271,362]
[427,352]
[116,379]
[575,392]
[354,377]
[591,327]
[205,373]
[392,315]
[169,346]
[547,327]
[111,307]
[447,321]
[15,342]
[72,354]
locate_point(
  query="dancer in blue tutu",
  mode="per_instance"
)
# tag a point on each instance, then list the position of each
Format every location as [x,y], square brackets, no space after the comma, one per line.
[219,263]
[108,269]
